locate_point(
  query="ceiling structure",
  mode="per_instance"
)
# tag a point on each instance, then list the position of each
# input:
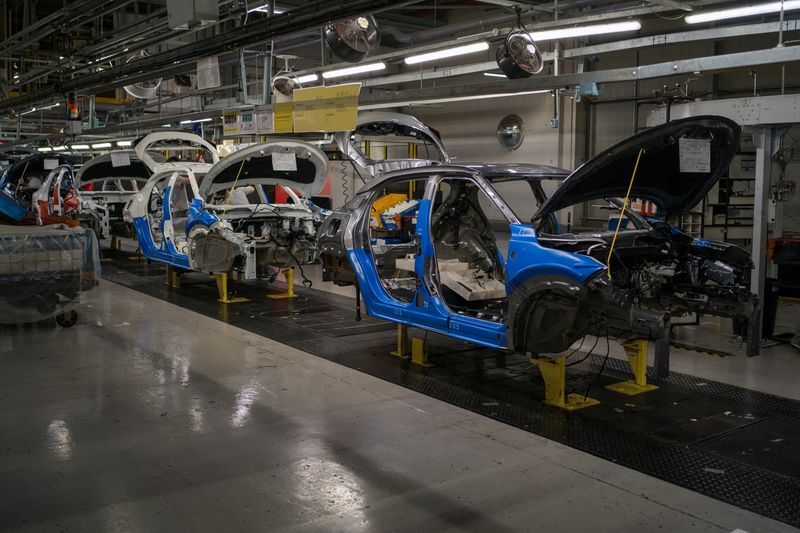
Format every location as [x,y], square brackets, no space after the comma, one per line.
[95,47]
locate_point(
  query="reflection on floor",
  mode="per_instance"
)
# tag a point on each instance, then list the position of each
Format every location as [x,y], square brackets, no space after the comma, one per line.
[146,416]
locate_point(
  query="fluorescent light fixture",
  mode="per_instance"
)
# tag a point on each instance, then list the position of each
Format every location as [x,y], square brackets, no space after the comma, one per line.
[59,148]
[203,120]
[450,99]
[165,125]
[79,146]
[448,52]
[494,75]
[45,149]
[308,78]
[186,121]
[31,110]
[583,31]
[101,145]
[124,143]
[358,69]
[746,11]
[265,9]
[51,106]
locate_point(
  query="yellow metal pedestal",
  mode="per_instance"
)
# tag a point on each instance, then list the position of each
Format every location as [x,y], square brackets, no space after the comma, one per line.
[419,352]
[637,357]
[222,288]
[173,277]
[402,342]
[289,275]
[554,374]
[419,347]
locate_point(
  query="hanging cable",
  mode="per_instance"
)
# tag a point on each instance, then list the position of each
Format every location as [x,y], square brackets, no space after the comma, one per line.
[230,194]
[622,212]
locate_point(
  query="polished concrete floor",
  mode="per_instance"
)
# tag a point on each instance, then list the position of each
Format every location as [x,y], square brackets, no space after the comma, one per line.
[148,417]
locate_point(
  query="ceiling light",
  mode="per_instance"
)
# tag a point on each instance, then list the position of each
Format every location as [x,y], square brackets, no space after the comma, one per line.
[59,148]
[31,110]
[165,125]
[124,143]
[308,78]
[203,120]
[494,75]
[186,121]
[448,52]
[79,146]
[358,69]
[583,31]
[45,149]
[265,9]
[51,106]
[450,99]
[101,145]
[747,11]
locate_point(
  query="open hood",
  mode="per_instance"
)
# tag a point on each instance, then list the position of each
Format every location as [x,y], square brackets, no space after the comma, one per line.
[254,165]
[659,178]
[34,165]
[163,140]
[386,124]
[102,167]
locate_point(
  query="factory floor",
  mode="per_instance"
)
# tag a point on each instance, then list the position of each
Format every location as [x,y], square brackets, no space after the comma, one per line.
[149,417]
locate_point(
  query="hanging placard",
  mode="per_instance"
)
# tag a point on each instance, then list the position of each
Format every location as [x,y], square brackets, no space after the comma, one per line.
[208,73]
[120,159]
[694,155]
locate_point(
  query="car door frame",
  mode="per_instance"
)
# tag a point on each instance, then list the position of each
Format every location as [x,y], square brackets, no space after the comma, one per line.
[473,329]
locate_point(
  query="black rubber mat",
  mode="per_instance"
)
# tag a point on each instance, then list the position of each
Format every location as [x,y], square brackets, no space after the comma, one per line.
[733,444]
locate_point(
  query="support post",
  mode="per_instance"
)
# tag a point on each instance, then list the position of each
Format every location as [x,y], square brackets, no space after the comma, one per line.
[419,352]
[661,359]
[289,275]
[554,374]
[402,342]
[222,288]
[636,351]
[173,277]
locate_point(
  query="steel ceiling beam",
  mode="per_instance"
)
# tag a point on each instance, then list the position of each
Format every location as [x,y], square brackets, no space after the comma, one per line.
[313,14]
[683,6]
[658,70]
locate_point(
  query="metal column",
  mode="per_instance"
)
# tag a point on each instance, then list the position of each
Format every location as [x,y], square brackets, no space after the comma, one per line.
[762,137]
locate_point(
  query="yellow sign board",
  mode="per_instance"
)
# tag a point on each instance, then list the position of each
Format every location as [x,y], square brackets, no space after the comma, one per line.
[282,117]
[325,108]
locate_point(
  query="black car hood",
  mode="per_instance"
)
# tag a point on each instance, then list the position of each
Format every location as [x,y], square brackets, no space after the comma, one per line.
[658,178]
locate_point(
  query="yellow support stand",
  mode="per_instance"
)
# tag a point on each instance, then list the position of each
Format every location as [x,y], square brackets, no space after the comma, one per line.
[418,347]
[289,275]
[173,277]
[402,342]
[554,374]
[222,288]
[419,352]
[637,357]
[115,244]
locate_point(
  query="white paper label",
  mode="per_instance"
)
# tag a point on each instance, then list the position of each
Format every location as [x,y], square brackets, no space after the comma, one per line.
[50,164]
[694,155]
[208,73]
[120,159]
[284,161]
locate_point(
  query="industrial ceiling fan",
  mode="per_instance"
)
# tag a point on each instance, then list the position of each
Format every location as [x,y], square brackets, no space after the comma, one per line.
[143,89]
[284,81]
[519,57]
[353,39]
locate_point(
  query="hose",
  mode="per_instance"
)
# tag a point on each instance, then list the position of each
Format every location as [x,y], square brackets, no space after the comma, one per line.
[345,185]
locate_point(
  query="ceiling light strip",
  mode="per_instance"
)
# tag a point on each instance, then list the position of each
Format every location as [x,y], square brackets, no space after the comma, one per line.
[585,31]
[472,48]
[746,11]
[351,71]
